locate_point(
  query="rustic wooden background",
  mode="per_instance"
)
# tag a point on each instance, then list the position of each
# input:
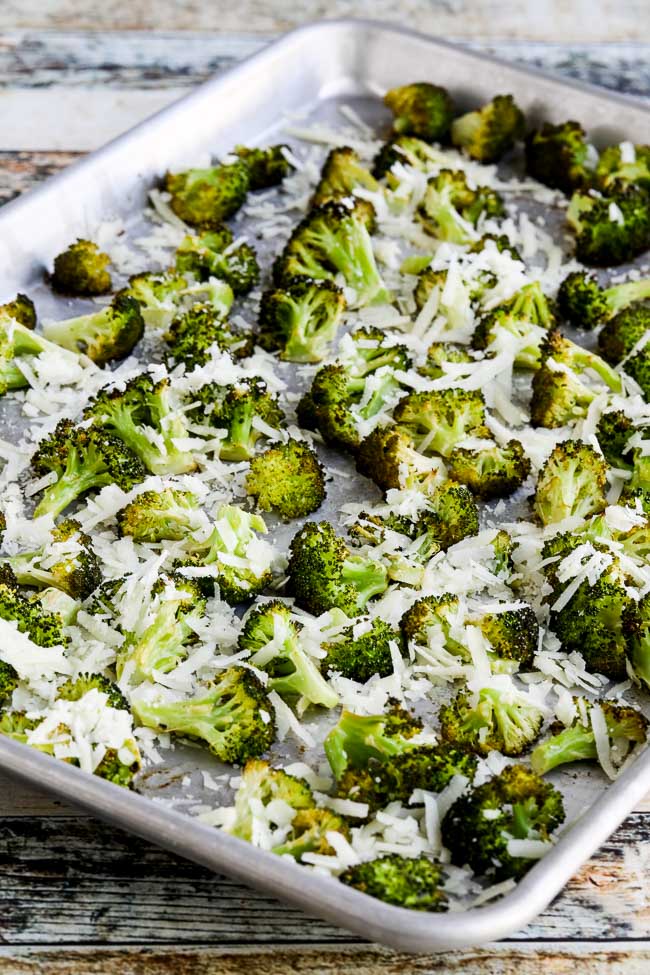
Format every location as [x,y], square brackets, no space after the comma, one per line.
[76,896]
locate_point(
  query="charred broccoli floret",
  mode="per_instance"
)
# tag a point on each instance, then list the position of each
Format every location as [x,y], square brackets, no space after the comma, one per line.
[74,689]
[262,784]
[206,197]
[451,209]
[287,478]
[273,639]
[232,715]
[489,132]
[407,544]
[44,628]
[67,563]
[621,334]
[591,623]
[421,109]
[21,309]
[324,574]
[205,256]
[358,738]
[411,882]
[309,833]
[636,629]
[103,335]
[408,151]
[527,316]
[342,172]
[82,269]
[610,229]
[360,656]
[560,156]
[301,320]
[616,168]
[84,459]
[266,166]
[513,634]
[515,805]
[572,483]
[388,457]
[235,409]
[613,431]
[638,368]
[586,304]
[504,720]
[442,354]
[438,420]
[195,334]
[490,472]
[157,515]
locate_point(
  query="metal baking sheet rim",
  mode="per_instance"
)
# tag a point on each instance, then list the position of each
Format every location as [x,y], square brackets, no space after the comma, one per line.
[349,44]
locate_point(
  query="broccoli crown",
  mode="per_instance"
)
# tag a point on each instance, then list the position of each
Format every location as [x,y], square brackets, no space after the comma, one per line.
[324,575]
[527,316]
[492,472]
[636,629]
[262,784]
[586,304]
[437,420]
[592,624]
[210,254]
[334,239]
[206,197]
[194,334]
[455,511]
[266,167]
[234,409]
[421,109]
[619,336]
[394,779]
[357,739]
[613,171]
[492,719]
[451,209]
[489,132]
[116,771]
[157,515]
[406,150]
[9,679]
[301,320]
[559,397]
[163,296]
[558,156]
[42,627]
[272,637]
[19,342]
[513,634]
[81,269]
[502,243]
[388,456]
[431,612]
[21,309]
[342,172]
[613,432]
[407,544]
[411,882]
[76,570]
[142,414]
[610,229]
[576,742]
[572,483]
[84,459]
[16,725]
[638,368]
[516,804]
[309,833]
[232,715]
[287,478]
[103,335]
[74,690]
[364,656]
[439,354]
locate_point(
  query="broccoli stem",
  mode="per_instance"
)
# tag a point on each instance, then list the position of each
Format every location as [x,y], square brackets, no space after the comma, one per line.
[622,295]
[368,579]
[574,744]
[587,360]
[71,485]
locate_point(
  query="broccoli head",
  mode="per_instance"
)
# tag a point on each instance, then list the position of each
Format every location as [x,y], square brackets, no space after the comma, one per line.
[75,688]
[68,563]
[287,478]
[450,208]
[489,132]
[613,431]
[235,410]
[9,679]
[559,156]
[81,269]
[21,309]
[411,882]
[527,317]
[206,197]
[309,833]
[638,368]
[591,623]
[358,738]
[342,172]
[619,337]
[154,516]
[504,720]
[388,457]
[572,483]
[362,655]
[610,229]
[490,472]
[266,167]
[163,296]
[583,302]
[103,335]
[196,333]
[44,628]
[616,169]
[206,255]
[262,784]
[438,420]
[636,629]
[421,109]
[408,151]
[440,356]
[17,343]
[512,634]
[301,320]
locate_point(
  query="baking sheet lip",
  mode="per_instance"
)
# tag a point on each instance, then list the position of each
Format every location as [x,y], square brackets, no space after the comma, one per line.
[404,929]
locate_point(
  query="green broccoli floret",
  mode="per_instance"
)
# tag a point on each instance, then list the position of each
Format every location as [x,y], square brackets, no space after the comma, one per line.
[512,634]
[614,171]
[428,627]
[16,725]
[572,483]
[18,342]
[527,316]
[436,421]
[411,882]
[636,629]
[234,409]
[626,727]
[262,784]
[266,167]
[450,208]
[273,639]
[84,459]
[334,239]
[341,174]
[441,354]
[501,242]
[516,804]
[232,715]
[638,368]
[301,320]
[157,515]
[323,574]
[358,738]
[309,833]
[68,563]
[287,478]
[207,255]
[489,132]
[613,431]
[492,719]
[428,279]
[408,151]
[560,156]
[9,678]
[75,688]
[21,309]
[389,458]
[592,624]
[194,334]
[407,544]
[622,333]
[114,770]
[610,229]
[421,109]
[81,269]
[206,197]
[491,472]
[362,656]
[163,296]
[44,628]
[103,335]
[143,415]
[455,511]
[583,302]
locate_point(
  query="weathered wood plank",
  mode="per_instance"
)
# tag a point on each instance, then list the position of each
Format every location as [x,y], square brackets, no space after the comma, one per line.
[19,171]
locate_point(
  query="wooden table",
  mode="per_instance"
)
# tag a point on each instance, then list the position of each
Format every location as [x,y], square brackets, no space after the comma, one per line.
[76,896]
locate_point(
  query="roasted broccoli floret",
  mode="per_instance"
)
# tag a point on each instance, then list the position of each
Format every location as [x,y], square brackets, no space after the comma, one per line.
[334,239]
[75,688]
[163,296]
[411,882]
[44,628]
[572,483]
[504,720]
[206,197]
[67,563]
[232,715]
[206,255]
[408,151]
[591,623]
[616,169]
[9,680]
[342,172]
[21,309]
[287,478]
[512,634]
[438,420]
[421,109]
[489,132]
[624,726]
[389,458]
[262,784]
[235,409]
[429,279]
[358,738]
[194,334]
[157,515]
[82,269]
[104,335]
[613,431]
[273,639]
[583,302]
[301,320]
[560,156]
[515,805]
[636,629]
[610,229]
[84,459]
[16,725]
[18,342]
[360,656]
[622,333]
[490,472]
[442,354]
[527,316]
[407,544]
[143,415]
[309,833]
[266,167]
[323,574]
[638,368]
[451,209]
